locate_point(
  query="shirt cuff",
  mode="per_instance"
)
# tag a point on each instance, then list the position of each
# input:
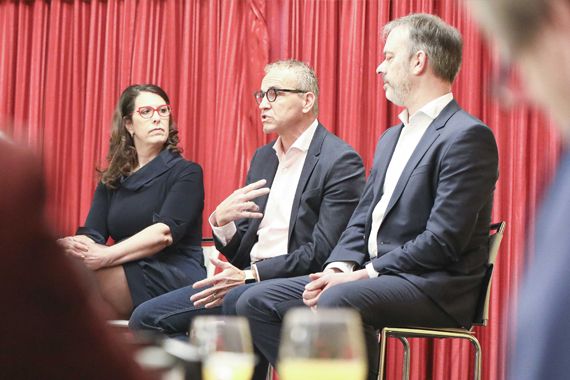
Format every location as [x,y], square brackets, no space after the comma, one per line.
[343,266]
[371,271]
[255,272]
[224,233]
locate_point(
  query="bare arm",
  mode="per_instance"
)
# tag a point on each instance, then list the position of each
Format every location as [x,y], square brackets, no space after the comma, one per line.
[145,243]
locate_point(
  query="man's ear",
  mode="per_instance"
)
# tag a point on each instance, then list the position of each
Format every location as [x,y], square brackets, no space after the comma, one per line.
[419,62]
[308,102]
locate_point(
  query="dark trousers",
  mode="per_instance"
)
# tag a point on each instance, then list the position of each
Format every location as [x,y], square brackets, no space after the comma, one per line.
[229,308]
[170,313]
[382,301]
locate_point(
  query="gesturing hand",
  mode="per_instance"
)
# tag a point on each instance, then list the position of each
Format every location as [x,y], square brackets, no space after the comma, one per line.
[240,204]
[222,283]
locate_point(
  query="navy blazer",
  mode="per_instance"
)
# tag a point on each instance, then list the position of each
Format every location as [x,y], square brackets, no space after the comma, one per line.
[329,189]
[436,226]
[542,330]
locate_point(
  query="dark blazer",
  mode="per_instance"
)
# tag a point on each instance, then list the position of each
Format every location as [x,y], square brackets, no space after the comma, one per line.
[542,331]
[436,226]
[329,188]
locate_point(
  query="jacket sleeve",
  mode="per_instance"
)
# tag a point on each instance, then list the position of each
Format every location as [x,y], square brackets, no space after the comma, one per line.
[184,202]
[96,223]
[231,248]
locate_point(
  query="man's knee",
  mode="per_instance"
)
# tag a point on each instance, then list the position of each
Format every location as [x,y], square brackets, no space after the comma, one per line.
[334,297]
[242,303]
[229,307]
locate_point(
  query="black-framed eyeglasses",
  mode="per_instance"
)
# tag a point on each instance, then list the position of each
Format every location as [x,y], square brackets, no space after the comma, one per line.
[272,93]
[147,112]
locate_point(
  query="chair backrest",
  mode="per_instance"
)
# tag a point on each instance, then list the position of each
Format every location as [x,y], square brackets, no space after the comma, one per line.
[496,236]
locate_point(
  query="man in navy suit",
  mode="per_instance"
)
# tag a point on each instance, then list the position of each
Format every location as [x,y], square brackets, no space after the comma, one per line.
[415,250]
[534,35]
[316,180]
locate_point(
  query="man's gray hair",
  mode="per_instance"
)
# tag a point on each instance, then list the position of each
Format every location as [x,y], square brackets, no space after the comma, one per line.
[441,42]
[306,77]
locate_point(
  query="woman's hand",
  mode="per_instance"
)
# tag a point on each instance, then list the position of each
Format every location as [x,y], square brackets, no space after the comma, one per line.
[75,246]
[96,256]
[93,255]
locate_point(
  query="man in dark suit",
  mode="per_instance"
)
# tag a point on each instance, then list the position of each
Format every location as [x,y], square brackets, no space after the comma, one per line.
[316,180]
[415,249]
[534,35]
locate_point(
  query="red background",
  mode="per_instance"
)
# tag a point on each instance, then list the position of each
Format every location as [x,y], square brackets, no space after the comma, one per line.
[63,65]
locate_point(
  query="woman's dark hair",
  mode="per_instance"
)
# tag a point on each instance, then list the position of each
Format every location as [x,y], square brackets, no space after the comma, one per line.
[122,156]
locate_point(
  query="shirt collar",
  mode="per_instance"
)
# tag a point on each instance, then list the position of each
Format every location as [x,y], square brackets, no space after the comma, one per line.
[302,142]
[432,109]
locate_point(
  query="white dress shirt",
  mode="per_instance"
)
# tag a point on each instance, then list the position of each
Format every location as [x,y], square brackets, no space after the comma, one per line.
[273,231]
[412,132]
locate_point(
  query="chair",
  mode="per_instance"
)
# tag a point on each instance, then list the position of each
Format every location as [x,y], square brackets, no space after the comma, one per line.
[481,319]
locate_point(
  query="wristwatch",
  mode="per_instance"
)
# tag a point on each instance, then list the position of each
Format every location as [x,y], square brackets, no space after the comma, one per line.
[249,277]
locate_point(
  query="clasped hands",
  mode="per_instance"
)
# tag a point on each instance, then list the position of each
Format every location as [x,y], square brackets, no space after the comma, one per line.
[322,281]
[81,247]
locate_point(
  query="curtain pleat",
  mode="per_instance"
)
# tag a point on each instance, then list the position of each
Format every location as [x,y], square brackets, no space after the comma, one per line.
[63,65]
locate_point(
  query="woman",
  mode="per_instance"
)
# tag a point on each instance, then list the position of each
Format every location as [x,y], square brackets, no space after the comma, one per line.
[149,201]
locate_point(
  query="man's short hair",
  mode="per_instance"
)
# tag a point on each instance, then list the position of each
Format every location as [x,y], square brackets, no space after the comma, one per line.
[516,22]
[441,42]
[306,77]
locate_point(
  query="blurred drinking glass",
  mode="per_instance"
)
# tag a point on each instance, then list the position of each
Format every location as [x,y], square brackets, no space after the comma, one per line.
[327,345]
[225,346]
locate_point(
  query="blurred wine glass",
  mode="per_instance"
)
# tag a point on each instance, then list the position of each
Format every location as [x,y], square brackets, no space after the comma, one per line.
[327,345]
[224,343]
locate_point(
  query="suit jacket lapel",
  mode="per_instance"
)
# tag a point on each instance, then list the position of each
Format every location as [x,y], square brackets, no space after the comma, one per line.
[430,135]
[310,163]
[383,156]
[268,172]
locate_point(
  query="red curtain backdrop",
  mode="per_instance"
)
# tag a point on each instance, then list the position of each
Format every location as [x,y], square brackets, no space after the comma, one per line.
[63,65]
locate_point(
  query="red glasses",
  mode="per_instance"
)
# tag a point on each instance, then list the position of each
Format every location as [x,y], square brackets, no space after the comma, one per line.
[147,112]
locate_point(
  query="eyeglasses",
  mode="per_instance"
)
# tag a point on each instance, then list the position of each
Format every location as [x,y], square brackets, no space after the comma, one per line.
[147,112]
[506,86]
[272,93]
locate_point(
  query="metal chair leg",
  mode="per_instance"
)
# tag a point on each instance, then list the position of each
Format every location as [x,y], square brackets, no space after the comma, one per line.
[477,361]
[269,375]
[382,361]
[406,361]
